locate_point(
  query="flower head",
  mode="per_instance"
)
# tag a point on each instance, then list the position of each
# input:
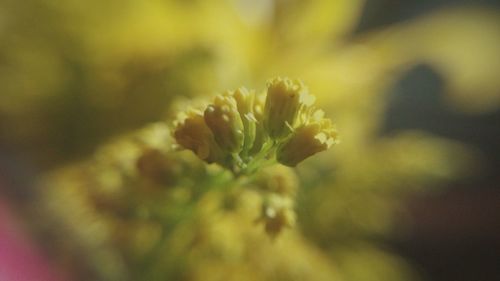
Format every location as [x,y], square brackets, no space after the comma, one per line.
[285,99]
[191,132]
[223,119]
[306,141]
[243,131]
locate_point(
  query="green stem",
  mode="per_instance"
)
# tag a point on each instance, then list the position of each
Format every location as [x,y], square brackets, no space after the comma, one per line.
[260,160]
[150,264]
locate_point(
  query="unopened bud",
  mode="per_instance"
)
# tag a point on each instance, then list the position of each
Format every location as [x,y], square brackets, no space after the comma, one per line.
[192,133]
[260,132]
[245,102]
[277,214]
[223,119]
[306,141]
[285,98]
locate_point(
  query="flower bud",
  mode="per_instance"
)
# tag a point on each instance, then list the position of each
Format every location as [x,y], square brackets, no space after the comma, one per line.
[245,101]
[285,98]
[277,213]
[223,119]
[192,133]
[260,133]
[306,141]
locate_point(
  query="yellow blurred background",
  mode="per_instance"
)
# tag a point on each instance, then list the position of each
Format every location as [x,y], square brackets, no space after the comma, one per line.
[412,85]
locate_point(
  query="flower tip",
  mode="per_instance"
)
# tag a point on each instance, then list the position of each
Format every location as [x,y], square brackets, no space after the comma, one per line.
[223,119]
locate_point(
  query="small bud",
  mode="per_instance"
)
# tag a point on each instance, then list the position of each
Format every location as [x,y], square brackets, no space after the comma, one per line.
[260,133]
[306,141]
[223,119]
[277,213]
[285,99]
[191,132]
[245,102]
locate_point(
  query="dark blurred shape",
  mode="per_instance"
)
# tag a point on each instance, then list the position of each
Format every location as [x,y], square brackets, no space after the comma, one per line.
[16,176]
[416,103]
[380,13]
[455,235]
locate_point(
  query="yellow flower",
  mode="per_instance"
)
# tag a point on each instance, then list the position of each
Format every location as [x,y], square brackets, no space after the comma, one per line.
[306,141]
[243,131]
[223,119]
[285,99]
[191,132]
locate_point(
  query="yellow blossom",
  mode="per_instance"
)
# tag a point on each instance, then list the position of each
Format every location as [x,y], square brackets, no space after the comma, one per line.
[285,99]
[306,141]
[192,133]
[223,119]
[244,131]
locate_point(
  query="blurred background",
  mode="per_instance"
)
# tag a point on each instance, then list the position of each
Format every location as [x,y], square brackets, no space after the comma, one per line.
[411,192]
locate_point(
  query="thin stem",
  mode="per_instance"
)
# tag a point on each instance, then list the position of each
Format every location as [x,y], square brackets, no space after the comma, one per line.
[150,263]
[262,157]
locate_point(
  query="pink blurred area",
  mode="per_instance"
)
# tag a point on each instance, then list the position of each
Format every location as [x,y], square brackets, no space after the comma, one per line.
[20,259]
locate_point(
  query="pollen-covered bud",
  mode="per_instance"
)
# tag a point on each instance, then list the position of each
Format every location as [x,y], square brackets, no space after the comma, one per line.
[306,141]
[285,99]
[191,132]
[277,213]
[223,119]
[245,101]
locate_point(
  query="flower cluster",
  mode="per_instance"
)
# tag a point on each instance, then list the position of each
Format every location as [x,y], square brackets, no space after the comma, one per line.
[242,131]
